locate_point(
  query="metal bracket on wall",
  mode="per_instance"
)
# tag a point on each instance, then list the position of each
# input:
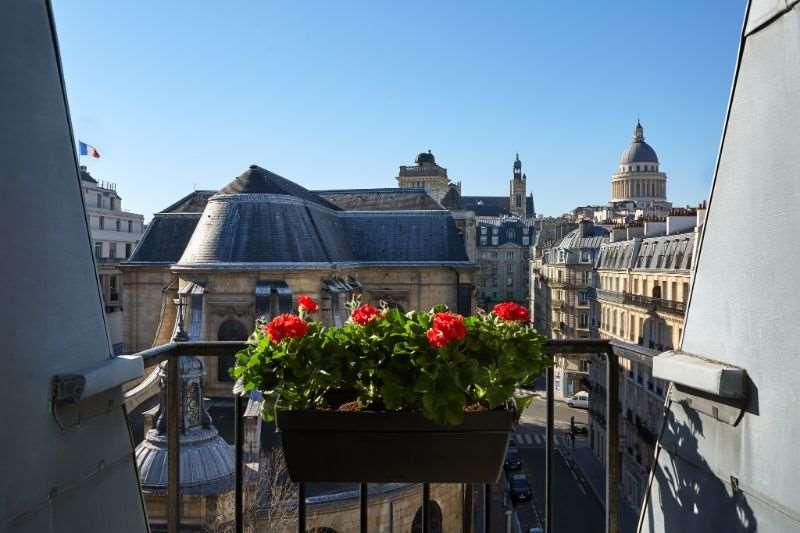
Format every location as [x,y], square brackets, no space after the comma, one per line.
[93,391]
[726,411]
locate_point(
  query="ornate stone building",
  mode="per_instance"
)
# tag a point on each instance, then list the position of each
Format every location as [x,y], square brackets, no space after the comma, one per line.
[245,252]
[504,233]
[638,187]
[427,175]
[563,285]
[115,234]
[644,276]
[248,250]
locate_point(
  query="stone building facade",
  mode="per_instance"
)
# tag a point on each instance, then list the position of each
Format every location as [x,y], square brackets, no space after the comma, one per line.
[644,276]
[562,304]
[638,187]
[426,175]
[115,234]
[248,250]
[504,233]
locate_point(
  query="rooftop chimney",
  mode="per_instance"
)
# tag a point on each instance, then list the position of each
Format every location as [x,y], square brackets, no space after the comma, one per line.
[585,226]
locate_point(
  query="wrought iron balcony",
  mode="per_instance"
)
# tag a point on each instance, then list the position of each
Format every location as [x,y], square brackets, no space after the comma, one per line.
[654,304]
[611,296]
[568,348]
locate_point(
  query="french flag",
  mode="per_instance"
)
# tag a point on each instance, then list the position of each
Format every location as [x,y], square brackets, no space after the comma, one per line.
[88,149]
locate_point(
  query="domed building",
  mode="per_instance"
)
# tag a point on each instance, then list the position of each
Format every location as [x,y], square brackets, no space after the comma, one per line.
[218,260]
[638,187]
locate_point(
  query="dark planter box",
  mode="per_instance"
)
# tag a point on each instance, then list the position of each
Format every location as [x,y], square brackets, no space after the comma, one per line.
[388,447]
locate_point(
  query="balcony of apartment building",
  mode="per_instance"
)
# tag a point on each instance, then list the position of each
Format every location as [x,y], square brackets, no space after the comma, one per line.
[650,303]
[480,512]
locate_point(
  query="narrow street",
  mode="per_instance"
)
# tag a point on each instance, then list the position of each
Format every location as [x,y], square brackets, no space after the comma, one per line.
[575,506]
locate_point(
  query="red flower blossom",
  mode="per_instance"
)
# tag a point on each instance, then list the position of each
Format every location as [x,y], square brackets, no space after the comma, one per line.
[511,311]
[436,338]
[447,327]
[364,314]
[286,326]
[307,304]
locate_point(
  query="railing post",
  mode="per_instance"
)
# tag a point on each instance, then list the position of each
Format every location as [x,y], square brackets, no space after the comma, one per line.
[487,508]
[426,512]
[548,458]
[239,445]
[301,508]
[364,503]
[174,411]
[613,476]
[173,447]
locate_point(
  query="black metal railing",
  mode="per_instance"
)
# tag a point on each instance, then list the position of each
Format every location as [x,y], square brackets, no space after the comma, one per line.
[567,348]
[659,304]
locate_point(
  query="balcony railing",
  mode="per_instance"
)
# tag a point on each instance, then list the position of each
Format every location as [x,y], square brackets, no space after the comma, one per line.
[655,304]
[567,348]
[610,296]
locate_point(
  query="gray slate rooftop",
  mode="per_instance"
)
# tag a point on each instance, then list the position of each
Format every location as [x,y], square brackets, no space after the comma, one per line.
[261,219]
[388,199]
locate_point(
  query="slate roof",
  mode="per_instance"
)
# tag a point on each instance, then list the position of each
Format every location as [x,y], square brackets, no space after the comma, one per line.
[597,236]
[489,206]
[165,238]
[259,180]
[406,237]
[665,252]
[620,255]
[393,199]
[194,202]
[638,152]
[250,225]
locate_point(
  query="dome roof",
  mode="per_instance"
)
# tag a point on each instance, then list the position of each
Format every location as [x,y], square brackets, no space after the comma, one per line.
[638,151]
[424,157]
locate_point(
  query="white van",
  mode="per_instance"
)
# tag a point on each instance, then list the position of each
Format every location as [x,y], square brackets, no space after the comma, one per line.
[579,399]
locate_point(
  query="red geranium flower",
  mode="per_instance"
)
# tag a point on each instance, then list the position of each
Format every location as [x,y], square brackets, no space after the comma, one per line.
[436,338]
[307,304]
[364,314]
[511,311]
[286,326]
[447,327]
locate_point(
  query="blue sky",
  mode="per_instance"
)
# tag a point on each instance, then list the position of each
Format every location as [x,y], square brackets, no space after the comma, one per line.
[339,94]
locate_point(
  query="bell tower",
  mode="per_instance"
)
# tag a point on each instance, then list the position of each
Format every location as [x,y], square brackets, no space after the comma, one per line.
[517,201]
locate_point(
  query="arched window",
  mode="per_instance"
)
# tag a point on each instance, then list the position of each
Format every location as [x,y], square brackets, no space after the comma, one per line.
[436,518]
[230,330]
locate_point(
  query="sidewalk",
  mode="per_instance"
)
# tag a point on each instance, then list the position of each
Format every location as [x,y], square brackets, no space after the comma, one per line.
[590,467]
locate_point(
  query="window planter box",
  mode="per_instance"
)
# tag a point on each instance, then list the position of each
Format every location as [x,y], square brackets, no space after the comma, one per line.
[382,447]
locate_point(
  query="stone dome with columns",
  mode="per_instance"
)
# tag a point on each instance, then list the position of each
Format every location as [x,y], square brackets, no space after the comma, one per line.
[638,178]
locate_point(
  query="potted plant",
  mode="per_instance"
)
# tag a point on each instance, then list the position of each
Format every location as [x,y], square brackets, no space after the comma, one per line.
[391,396]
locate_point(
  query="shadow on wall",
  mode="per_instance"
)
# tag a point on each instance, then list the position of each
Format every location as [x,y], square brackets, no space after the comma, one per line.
[690,496]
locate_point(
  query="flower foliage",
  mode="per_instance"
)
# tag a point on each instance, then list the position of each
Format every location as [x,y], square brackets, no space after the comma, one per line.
[436,362]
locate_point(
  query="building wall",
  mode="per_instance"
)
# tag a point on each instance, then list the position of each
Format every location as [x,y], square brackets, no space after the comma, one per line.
[645,308]
[111,245]
[148,306]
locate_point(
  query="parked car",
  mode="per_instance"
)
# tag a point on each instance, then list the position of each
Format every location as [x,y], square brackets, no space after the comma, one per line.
[579,399]
[520,489]
[513,461]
